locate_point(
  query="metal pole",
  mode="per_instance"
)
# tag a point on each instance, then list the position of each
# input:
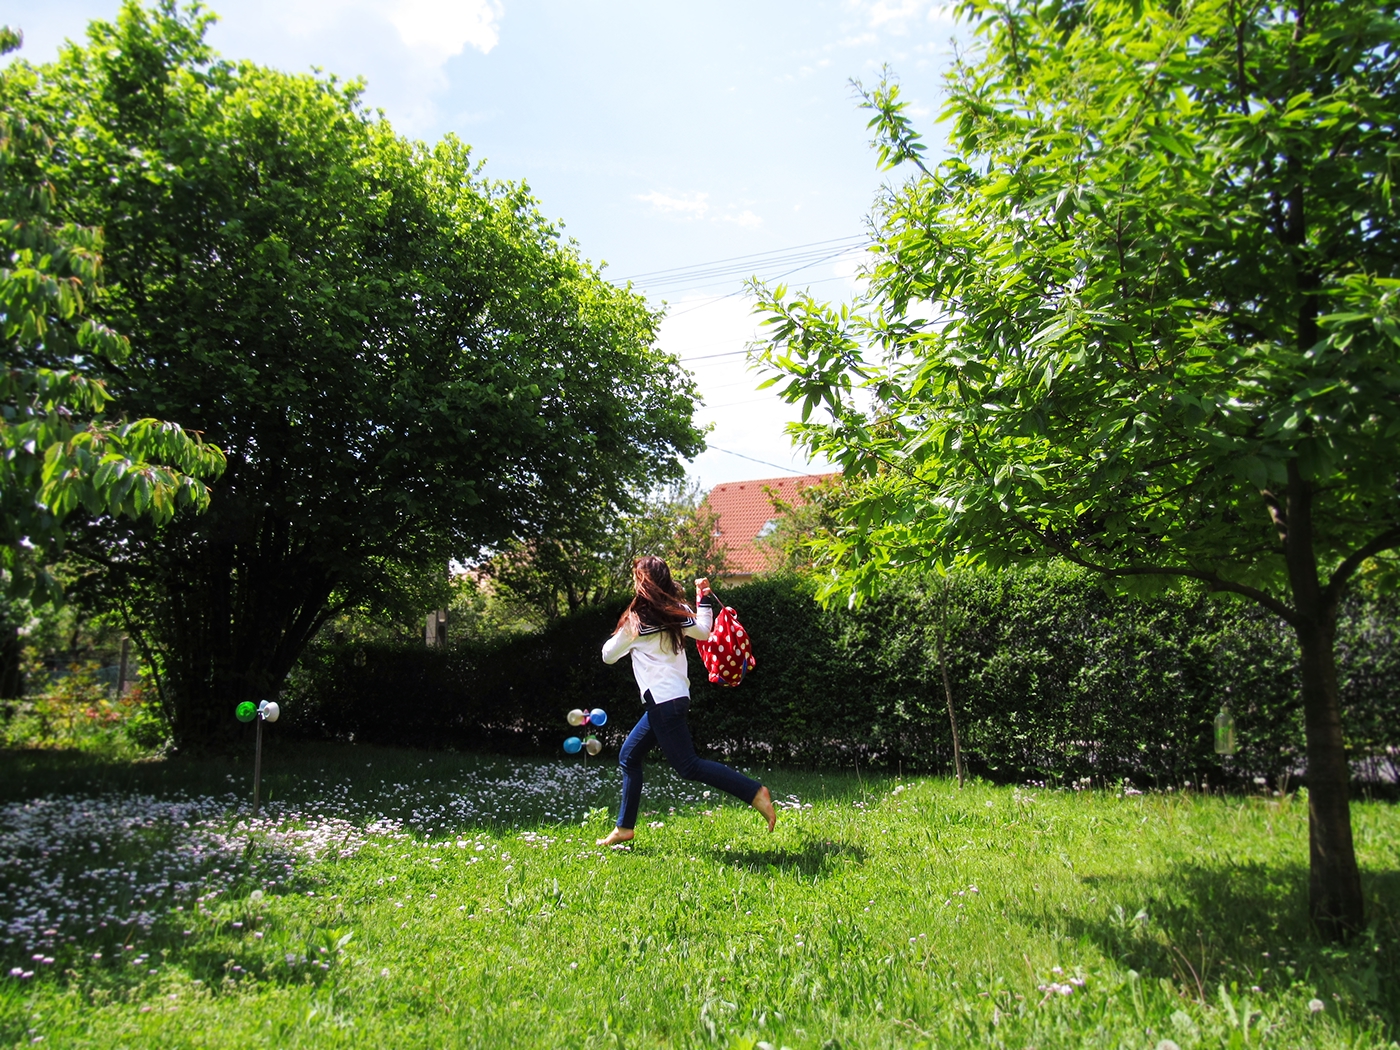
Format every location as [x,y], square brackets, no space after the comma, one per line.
[947,685]
[257,765]
[123,666]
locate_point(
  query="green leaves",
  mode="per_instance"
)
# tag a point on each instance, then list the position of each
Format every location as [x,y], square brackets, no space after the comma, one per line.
[404,360]
[1155,278]
[58,454]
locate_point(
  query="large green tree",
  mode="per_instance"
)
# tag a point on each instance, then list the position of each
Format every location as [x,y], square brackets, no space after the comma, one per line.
[1144,318]
[401,359]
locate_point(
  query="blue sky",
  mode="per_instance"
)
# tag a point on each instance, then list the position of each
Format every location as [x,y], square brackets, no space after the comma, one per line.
[662,135]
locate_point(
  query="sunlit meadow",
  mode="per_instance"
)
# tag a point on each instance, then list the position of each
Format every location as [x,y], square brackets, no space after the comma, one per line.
[400,899]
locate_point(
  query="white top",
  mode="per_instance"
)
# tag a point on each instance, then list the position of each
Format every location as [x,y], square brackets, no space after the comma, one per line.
[657,669]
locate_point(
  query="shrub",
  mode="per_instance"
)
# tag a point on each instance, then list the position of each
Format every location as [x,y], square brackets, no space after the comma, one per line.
[78,710]
[1052,678]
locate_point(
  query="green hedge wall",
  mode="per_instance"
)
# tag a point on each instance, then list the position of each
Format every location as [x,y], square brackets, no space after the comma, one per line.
[1053,680]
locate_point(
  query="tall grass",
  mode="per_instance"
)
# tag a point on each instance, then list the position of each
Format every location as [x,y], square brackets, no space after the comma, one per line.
[400,899]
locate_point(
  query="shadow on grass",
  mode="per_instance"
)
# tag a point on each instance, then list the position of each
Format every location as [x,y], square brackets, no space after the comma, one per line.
[814,857]
[1200,925]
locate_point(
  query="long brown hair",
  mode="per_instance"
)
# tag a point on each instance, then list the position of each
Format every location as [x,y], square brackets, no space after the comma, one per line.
[658,601]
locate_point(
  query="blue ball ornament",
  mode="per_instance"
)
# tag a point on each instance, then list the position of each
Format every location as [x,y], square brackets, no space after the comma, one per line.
[597,717]
[573,745]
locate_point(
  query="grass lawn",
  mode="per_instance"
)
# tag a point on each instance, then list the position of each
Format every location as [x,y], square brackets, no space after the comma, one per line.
[406,899]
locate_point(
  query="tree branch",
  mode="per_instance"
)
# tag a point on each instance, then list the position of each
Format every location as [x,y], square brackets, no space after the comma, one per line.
[1388,540]
[1211,579]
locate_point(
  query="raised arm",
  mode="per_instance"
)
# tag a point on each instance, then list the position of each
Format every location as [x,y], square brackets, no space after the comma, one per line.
[616,647]
[707,607]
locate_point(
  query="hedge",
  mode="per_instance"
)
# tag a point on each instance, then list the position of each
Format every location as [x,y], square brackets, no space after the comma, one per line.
[1053,679]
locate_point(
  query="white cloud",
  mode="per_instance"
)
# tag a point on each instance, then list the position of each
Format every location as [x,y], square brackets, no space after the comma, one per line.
[896,15]
[434,30]
[400,47]
[882,13]
[697,206]
[692,205]
[440,29]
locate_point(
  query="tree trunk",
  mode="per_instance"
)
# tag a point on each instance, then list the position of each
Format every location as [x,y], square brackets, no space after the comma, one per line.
[11,680]
[1334,886]
[230,606]
[947,683]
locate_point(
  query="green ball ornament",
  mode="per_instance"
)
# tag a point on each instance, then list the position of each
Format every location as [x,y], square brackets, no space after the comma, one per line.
[246,711]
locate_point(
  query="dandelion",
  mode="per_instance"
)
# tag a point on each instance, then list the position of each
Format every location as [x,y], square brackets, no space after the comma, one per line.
[1316,1006]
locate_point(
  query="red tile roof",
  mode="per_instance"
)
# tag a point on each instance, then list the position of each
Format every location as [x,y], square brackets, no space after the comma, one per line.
[744,508]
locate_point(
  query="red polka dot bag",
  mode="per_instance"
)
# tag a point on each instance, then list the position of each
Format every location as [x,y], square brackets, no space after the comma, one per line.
[728,654]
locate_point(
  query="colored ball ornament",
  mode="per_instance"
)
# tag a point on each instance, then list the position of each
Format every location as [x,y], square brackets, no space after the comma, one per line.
[269,710]
[573,745]
[597,717]
[576,717]
[246,711]
[593,745]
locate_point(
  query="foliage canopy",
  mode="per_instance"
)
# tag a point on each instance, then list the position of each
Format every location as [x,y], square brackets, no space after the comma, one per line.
[402,360]
[1145,318]
[58,452]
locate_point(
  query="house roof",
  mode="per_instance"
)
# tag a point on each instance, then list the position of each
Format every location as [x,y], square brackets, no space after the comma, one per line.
[744,508]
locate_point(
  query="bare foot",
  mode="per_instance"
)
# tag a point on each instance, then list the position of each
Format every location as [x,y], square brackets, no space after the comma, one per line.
[616,837]
[763,802]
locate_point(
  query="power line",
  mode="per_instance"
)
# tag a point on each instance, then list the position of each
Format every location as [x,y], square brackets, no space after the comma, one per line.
[731,404]
[665,274]
[711,357]
[749,381]
[740,290]
[712,299]
[708,278]
[751,459]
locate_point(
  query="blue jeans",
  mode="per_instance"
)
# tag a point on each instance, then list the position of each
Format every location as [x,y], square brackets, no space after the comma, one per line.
[665,724]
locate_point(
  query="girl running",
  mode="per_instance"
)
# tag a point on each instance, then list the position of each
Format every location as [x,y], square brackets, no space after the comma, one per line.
[653,629]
